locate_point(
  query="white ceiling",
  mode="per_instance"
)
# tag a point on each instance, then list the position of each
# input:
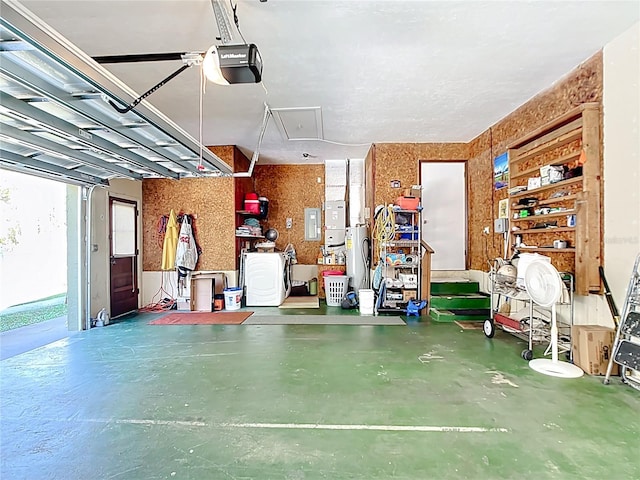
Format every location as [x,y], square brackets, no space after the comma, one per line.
[387,71]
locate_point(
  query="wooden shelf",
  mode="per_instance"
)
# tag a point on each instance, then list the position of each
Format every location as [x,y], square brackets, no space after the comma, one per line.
[548,201]
[554,125]
[559,161]
[544,188]
[249,236]
[551,201]
[544,215]
[544,230]
[247,213]
[546,249]
[573,135]
[557,142]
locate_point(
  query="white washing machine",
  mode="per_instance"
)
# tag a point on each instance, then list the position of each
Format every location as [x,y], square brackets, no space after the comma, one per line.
[267,278]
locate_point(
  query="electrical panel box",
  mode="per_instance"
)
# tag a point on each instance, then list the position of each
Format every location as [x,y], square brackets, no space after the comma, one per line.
[501,225]
[312,224]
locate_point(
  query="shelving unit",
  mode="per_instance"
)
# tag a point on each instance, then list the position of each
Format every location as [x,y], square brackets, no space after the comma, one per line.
[402,261]
[247,239]
[573,142]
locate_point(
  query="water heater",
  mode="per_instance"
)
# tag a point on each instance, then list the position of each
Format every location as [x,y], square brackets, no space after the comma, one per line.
[358,246]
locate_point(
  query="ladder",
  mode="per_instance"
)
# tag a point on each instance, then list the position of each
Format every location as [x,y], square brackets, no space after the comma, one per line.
[626,346]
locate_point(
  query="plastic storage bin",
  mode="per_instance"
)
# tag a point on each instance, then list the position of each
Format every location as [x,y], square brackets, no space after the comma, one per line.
[366,301]
[335,287]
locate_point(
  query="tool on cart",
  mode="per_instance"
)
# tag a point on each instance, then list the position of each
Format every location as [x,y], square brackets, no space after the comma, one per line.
[626,346]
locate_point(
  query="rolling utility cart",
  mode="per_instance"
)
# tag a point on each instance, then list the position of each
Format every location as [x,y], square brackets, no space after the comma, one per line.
[532,325]
[626,345]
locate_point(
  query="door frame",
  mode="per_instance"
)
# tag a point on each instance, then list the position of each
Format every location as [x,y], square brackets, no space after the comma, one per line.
[466,205]
[136,262]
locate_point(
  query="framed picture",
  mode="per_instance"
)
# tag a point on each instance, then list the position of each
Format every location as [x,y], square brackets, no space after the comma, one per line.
[501,171]
[503,208]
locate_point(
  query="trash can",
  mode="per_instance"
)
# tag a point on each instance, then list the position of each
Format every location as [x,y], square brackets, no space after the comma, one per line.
[233,298]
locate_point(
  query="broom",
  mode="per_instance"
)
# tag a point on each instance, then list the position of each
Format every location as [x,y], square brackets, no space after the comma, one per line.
[607,293]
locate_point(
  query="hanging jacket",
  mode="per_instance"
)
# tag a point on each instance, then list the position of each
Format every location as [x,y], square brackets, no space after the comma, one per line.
[187,252]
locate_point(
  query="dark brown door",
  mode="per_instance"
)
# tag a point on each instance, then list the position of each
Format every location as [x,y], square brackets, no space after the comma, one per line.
[123,239]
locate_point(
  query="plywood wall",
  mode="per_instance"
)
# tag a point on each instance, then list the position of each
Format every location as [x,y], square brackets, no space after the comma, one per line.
[210,200]
[401,161]
[290,189]
[583,84]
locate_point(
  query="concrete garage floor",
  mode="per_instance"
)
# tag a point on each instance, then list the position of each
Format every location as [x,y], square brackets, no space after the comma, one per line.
[422,401]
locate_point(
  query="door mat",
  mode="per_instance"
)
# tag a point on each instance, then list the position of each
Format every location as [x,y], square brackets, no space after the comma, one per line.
[202,318]
[470,325]
[301,302]
[323,320]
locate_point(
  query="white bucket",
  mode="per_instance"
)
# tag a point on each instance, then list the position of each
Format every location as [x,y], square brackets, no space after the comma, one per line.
[232,298]
[366,301]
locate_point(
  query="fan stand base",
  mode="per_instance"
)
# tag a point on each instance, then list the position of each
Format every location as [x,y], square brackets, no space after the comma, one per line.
[555,369]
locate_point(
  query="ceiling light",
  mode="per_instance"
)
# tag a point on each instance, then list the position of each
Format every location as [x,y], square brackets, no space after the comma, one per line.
[211,66]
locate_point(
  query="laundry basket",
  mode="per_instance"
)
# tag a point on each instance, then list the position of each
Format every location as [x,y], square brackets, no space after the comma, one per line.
[335,286]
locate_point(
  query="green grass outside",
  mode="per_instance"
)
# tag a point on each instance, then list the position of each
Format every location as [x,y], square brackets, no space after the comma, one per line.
[33,312]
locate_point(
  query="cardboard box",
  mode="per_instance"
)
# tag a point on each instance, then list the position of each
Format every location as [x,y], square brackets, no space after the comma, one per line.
[204,287]
[592,346]
[409,280]
[409,294]
[414,191]
[183,303]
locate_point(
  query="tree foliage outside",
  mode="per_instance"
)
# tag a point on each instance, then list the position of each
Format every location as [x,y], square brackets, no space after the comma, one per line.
[10,232]
[33,243]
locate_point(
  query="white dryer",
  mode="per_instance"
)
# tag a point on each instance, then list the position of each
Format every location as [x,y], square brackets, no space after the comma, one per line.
[267,278]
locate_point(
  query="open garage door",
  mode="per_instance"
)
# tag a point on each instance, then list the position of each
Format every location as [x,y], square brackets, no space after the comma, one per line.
[55,121]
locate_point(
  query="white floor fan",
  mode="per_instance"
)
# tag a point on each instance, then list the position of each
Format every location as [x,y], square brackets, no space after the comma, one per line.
[544,286]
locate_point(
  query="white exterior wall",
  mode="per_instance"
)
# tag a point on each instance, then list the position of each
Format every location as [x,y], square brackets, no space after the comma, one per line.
[621,160]
[99,238]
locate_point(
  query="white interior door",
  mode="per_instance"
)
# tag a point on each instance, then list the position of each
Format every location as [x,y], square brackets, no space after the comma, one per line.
[444,214]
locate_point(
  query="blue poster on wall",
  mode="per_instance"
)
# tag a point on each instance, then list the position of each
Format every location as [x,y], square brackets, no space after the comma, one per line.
[501,171]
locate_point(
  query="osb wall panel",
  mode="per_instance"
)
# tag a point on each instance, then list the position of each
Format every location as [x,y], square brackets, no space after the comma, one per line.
[210,200]
[401,161]
[290,189]
[583,84]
